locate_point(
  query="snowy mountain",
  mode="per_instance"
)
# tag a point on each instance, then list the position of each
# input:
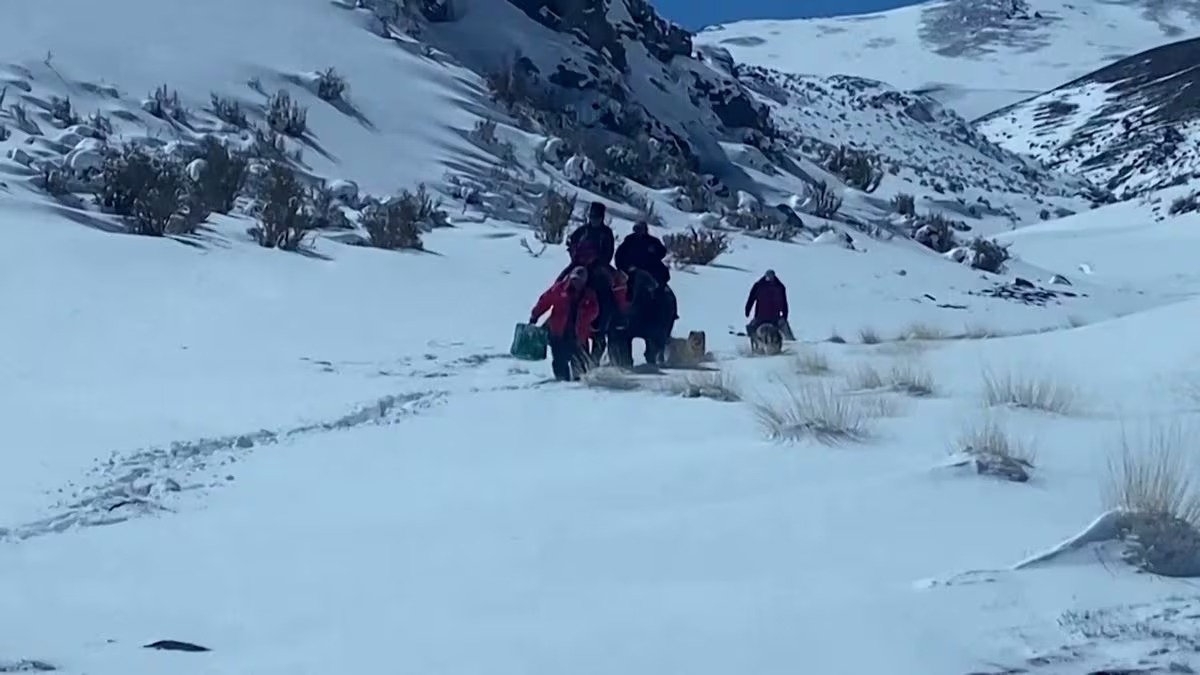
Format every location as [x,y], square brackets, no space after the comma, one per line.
[261,413]
[973,55]
[927,148]
[1125,127]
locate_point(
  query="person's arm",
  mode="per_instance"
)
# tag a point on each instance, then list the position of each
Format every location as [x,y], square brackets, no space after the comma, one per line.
[542,306]
[657,249]
[783,295]
[750,300]
[607,250]
[621,259]
[573,239]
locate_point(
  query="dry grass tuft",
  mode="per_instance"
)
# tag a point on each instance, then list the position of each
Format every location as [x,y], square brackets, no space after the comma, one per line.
[610,378]
[716,385]
[990,439]
[1030,391]
[811,362]
[814,411]
[1155,475]
[869,336]
[923,331]
[906,377]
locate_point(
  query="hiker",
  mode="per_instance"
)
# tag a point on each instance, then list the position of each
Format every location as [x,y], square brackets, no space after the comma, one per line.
[573,307]
[642,250]
[591,246]
[768,299]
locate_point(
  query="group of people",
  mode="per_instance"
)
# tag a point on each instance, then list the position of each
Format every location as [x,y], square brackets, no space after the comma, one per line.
[591,293]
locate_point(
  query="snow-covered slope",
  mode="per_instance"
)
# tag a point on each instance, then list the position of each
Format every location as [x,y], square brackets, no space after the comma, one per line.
[1129,127]
[927,149]
[974,55]
[329,462]
[329,459]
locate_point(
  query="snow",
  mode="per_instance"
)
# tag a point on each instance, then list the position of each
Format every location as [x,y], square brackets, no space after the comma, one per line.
[959,51]
[330,463]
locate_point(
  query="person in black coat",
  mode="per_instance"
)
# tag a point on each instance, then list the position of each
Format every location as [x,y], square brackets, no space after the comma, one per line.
[591,246]
[645,251]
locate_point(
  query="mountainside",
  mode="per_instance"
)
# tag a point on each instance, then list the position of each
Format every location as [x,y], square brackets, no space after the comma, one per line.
[1129,127]
[974,55]
[611,73]
[925,148]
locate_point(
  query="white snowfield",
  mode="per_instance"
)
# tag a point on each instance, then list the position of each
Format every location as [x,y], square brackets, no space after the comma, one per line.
[330,463]
[973,55]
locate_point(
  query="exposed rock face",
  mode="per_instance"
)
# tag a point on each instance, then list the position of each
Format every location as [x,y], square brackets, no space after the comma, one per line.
[589,21]
[638,59]
[1128,127]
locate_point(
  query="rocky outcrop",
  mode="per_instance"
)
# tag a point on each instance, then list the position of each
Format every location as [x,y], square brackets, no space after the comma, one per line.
[614,34]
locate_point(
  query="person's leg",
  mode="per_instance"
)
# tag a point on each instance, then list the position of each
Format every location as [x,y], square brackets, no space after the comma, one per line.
[577,360]
[560,359]
[600,281]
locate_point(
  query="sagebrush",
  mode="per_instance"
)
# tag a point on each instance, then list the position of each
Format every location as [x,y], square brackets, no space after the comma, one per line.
[151,191]
[553,216]
[284,210]
[695,246]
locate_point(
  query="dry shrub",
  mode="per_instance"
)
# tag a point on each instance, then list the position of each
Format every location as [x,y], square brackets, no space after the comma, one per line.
[904,204]
[869,336]
[825,201]
[553,216]
[696,247]
[285,218]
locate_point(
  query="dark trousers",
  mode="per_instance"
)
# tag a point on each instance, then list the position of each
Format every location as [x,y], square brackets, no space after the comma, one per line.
[567,360]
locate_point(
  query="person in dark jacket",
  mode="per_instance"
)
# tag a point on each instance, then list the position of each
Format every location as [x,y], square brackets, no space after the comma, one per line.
[768,299]
[642,250]
[573,308]
[592,246]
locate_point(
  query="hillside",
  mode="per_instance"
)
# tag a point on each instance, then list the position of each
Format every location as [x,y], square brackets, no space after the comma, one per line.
[261,414]
[1127,127]
[975,56]
[924,148]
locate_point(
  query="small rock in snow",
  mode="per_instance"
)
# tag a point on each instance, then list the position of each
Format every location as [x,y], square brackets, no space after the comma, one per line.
[20,156]
[176,646]
[25,666]
[1060,280]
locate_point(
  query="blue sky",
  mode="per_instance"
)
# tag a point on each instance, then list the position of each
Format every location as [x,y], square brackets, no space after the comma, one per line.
[695,14]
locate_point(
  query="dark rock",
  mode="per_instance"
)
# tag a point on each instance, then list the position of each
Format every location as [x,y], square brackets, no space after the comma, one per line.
[789,216]
[176,646]
[1008,468]
[1060,280]
[1022,283]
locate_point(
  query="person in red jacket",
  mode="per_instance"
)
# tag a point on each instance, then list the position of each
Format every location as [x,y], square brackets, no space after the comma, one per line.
[573,307]
[768,299]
